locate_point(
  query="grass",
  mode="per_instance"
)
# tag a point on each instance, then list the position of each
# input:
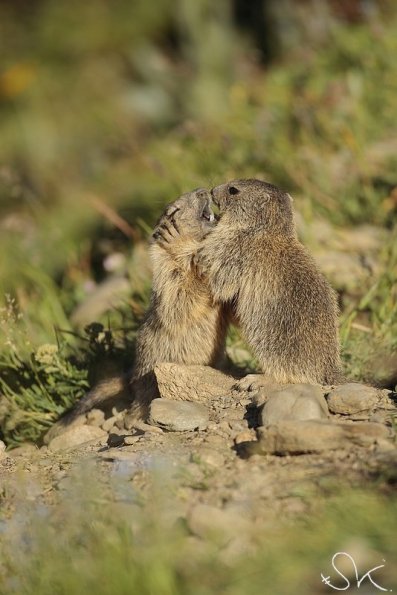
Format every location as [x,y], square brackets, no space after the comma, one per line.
[123,546]
[104,124]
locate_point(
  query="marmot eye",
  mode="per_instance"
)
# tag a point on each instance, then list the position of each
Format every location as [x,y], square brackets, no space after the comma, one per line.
[233,190]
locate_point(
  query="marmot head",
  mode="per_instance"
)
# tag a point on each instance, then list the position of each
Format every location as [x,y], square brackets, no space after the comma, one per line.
[192,214]
[255,204]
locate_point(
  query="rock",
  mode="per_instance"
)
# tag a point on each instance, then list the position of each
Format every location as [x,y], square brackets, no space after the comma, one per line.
[219,525]
[95,417]
[117,431]
[294,401]
[191,383]
[296,437]
[77,436]
[178,416]
[25,450]
[61,427]
[110,422]
[348,399]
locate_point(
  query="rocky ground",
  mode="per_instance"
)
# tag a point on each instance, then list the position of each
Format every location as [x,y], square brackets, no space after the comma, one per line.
[225,455]
[229,454]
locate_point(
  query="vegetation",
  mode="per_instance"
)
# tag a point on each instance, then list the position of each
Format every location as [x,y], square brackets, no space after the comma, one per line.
[107,114]
[123,546]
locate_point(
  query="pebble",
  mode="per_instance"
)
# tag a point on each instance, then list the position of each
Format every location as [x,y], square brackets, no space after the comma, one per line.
[348,399]
[95,417]
[77,436]
[297,437]
[110,422]
[25,450]
[178,416]
[294,401]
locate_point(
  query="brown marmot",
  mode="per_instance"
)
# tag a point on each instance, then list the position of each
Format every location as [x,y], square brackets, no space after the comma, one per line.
[286,309]
[182,323]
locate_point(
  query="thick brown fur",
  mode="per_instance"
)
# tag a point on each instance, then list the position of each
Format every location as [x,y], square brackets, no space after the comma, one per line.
[284,306]
[182,323]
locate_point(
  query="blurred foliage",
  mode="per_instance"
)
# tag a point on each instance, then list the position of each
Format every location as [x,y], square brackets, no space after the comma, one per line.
[122,545]
[108,110]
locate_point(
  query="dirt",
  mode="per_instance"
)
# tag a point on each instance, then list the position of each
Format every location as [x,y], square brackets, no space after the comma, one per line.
[213,467]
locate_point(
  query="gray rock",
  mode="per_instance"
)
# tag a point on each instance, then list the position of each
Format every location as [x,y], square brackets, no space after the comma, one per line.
[191,383]
[77,436]
[296,437]
[296,402]
[60,428]
[178,416]
[348,399]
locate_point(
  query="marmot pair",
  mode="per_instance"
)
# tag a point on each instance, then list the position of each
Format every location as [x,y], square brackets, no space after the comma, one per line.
[248,266]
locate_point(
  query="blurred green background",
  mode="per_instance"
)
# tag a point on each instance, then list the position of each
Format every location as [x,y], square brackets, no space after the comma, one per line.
[109,110]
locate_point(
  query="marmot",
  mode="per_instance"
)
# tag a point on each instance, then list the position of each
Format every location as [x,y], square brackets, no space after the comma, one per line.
[182,323]
[286,309]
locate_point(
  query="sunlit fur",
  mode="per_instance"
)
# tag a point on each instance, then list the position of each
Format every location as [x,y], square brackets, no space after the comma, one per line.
[182,324]
[286,309]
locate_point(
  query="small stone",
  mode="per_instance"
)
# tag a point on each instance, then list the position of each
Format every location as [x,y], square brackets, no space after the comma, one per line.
[95,417]
[60,427]
[296,437]
[77,436]
[109,423]
[348,399]
[117,431]
[25,450]
[294,401]
[178,416]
